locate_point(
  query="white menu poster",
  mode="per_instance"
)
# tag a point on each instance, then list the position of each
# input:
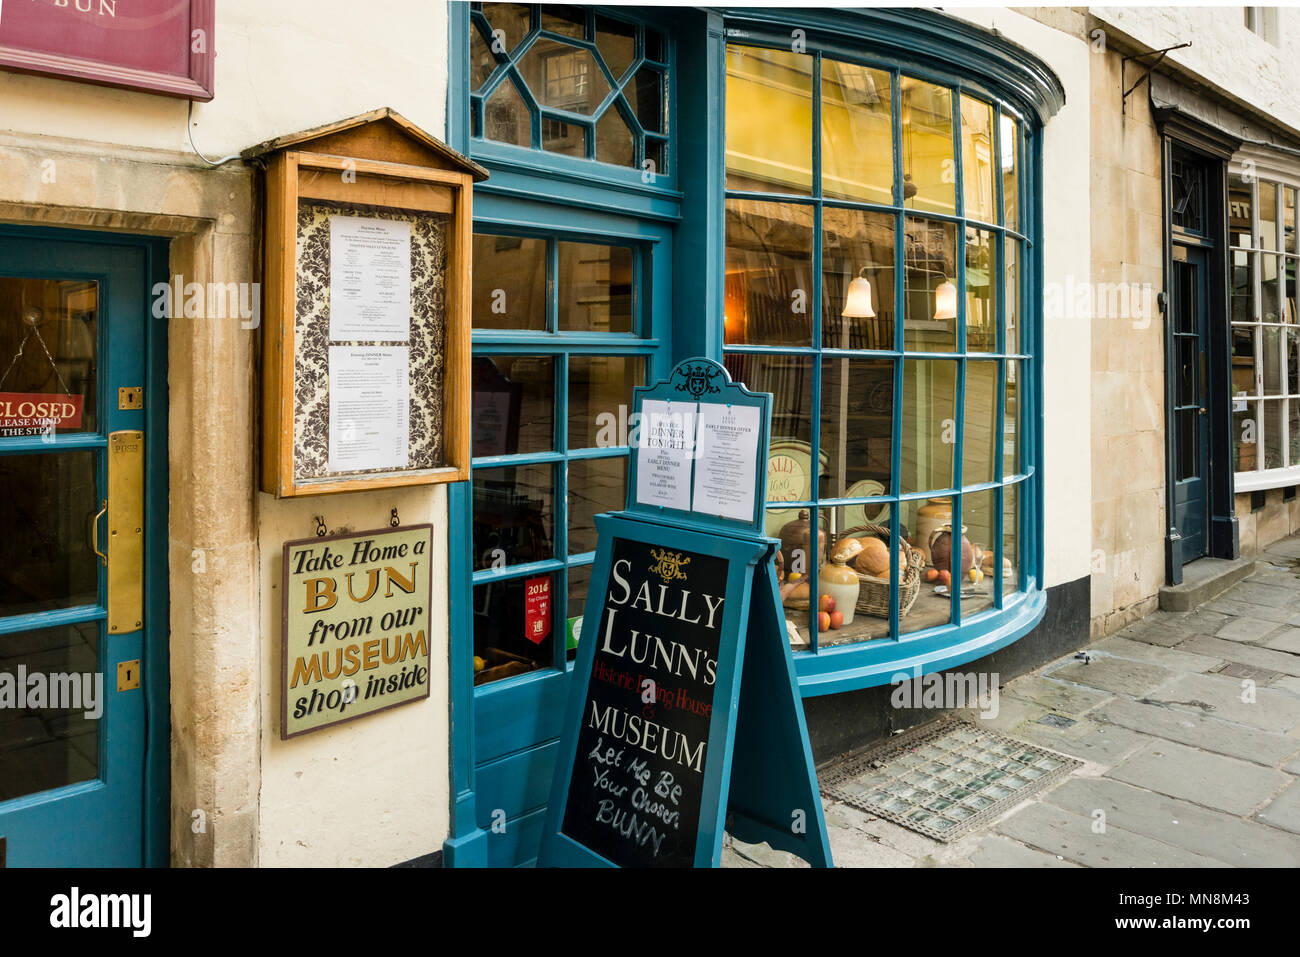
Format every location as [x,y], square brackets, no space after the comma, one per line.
[665,447]
[370,280]
[726,470]
[369,407]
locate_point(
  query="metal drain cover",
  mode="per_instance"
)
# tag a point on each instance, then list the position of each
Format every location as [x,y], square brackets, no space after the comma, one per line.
[945,779]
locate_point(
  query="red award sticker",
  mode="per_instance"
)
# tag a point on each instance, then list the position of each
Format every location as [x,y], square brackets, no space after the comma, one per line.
[537,608]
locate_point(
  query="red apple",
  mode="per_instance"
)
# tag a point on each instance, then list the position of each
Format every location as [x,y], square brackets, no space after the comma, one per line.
[823,621]
[826,603]
[837,619]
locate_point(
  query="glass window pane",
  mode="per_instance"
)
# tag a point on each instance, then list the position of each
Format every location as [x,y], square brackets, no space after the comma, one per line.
[857,279]
[1241,197]
[790,471]
[979,451]
[1243,286]
[514,513]
[1011,335]
[1289,291]
[50,501]
[977,160]
[1293,433]
[929,170]
[769,280]
[482,60]
[1010,149]
[646,96]
[1010,540]
[924,521]
[46,748]
[982,279]
[857,133]
[600,400]
[1271,354]
[563,77]
[595,486]
[1288,222]
[506,117]
[654,46]
[979,520]
[1243,360]
[614,141]
[595,288]
[928,420]
[929,286]
[1292,347]
[49,332]
[1187,423]
[857,420]
[769,120]
[513,405]
[1011,420]
[616,41]
[579,584]
[1245,432]
[506,640]
[509,282]
[566,21]
[1267,215]
[1272,434]
[509,22]
[568,139]
[1270,290]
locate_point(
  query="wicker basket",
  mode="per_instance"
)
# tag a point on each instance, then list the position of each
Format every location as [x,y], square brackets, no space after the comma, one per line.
[873,593]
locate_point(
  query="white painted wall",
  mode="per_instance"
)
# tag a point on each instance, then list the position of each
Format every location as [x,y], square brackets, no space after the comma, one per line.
[1067,245]
[1244,66]
[375,791]
[281,66]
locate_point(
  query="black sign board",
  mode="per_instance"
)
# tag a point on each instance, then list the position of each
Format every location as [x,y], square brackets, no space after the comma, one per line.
[635,792]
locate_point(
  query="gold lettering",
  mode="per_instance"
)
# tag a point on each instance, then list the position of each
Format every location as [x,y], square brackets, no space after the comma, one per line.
[371,585]
[405,584]
[316,594]
[305,671]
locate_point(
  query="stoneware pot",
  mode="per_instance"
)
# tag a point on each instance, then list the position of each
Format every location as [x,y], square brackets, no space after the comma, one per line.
[940,546]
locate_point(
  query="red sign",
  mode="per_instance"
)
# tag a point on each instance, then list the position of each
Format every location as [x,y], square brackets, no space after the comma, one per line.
[537,608]
[38,413]
[164,46]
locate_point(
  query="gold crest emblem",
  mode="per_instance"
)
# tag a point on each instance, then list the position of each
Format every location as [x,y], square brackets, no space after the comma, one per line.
[668,565]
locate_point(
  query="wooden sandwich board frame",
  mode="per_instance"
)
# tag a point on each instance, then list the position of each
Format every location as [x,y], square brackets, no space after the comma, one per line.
[759,781]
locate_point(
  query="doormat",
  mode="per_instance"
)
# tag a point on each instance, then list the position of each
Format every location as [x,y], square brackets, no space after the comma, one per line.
[943,779]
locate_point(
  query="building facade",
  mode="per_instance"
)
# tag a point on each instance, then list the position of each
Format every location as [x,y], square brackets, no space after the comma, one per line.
[1079,362]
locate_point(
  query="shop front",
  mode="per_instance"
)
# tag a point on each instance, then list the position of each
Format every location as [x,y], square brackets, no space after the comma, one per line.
[847,210]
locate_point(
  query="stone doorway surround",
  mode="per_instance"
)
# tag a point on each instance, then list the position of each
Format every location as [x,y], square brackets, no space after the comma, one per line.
[209,215]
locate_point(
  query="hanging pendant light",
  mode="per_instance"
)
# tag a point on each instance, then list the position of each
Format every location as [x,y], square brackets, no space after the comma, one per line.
[857,305]
[945,301]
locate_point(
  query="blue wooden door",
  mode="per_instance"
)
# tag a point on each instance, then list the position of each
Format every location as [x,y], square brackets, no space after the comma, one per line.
[73,778]
[567,323]
[1190,319]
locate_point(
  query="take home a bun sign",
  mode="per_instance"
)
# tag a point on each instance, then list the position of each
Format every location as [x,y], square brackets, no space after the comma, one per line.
[356,626]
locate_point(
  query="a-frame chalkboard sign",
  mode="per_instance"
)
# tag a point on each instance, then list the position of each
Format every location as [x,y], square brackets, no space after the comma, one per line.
[684,716]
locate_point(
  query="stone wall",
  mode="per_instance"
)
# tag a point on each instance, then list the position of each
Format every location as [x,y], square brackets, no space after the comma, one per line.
[1127,393]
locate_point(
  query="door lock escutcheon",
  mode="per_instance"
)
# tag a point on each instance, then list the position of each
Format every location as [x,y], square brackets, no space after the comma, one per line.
[130,397]
[123,552]
[128,675]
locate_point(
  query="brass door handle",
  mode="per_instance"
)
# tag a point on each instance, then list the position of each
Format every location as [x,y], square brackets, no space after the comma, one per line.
[94,532]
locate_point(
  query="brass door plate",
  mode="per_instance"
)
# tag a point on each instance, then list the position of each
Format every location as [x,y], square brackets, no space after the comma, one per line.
[125,532]
[128,675]
[130,397]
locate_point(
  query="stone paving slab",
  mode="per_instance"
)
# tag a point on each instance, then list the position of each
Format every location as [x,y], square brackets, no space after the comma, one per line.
[1155,634]
[1104,744]
[1220,696]
[1284,810]
[1210,833]
[1155,654]
[1288,641]
[1239,609]
[1071,835]
[1197,776]
[1246,654]
[1246,629]
[1054,695]
[1258,593]
[1118,675]
[996,851]
[1198,730]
